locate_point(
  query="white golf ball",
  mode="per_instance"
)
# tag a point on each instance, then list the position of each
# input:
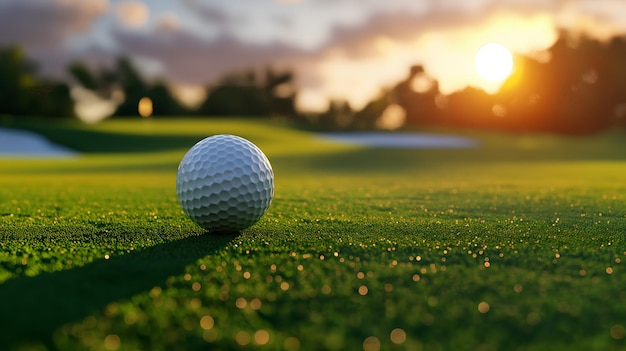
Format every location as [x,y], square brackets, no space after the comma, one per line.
[225,183]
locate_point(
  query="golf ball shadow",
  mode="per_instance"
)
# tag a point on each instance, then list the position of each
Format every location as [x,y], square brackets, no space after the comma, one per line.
[225,184]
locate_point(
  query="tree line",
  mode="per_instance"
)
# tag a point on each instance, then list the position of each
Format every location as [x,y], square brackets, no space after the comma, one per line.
[578,85]
[249,93]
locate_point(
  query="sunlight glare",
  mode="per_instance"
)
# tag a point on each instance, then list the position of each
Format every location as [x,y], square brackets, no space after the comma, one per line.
[494,62]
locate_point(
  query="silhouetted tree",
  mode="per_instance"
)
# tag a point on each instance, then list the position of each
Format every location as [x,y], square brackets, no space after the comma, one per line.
[281,93]
[578,89]
[417,94]
[366,118]
[17,79]
[339,115]
[22,92]
[245,94]
[578,85]
[125,77]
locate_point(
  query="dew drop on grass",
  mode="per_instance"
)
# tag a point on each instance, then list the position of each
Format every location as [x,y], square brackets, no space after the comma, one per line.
[291,344]
[371,343]
[241,303]
[533,318]
[256,304]
[242,338]
[261,337]
[483,307]
[398,336]
[618,332]
[209,335]
[155,292]
[195,303]
[112,342]
[131,317]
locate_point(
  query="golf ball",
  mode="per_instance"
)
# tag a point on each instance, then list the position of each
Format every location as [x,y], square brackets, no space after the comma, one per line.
[225,183]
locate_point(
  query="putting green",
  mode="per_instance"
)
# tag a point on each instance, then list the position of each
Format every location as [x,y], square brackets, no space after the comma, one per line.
[518,244]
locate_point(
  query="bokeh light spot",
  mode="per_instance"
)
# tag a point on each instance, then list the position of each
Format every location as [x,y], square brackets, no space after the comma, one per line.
[145,107]
[483,307]
[112,342]
[398,336]
[371,343]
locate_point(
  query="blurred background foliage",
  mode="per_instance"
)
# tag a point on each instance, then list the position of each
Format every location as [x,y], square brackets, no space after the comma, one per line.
[577,86]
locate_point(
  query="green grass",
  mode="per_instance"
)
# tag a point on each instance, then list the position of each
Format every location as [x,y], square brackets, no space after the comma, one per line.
[517,245]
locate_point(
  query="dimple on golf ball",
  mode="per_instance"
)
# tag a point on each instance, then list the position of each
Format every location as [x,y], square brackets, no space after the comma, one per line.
[225,183]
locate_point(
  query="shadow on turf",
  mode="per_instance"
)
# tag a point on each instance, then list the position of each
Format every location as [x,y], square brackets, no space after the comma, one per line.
[32,308]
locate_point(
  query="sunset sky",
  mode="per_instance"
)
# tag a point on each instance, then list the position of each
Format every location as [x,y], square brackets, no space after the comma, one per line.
[346,49]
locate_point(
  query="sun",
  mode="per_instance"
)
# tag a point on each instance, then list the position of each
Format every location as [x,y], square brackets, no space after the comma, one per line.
[494,62]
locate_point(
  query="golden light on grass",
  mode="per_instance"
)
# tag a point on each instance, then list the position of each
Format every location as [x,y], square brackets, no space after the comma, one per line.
[261,337]
[207,322]
[256,304]
[371,343]
[112,342]
[145,107]
[483,307]
[533,318]
[618,332]
[494,62]
[195,303]
[241,303]
[242,338]
[292,344]
[209,335]
[131,317]
[398,336]
[326,289]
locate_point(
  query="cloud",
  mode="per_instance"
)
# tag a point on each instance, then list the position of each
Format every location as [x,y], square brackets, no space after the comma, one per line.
[39,25]
[192,60]
[601,18]
[133,14]
[369,49]
[45,28]
[211,13]
[168,21]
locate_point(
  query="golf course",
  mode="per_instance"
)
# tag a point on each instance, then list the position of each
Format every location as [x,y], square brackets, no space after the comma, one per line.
[518,243]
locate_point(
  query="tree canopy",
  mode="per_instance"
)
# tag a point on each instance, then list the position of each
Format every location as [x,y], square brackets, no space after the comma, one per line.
[578,85]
